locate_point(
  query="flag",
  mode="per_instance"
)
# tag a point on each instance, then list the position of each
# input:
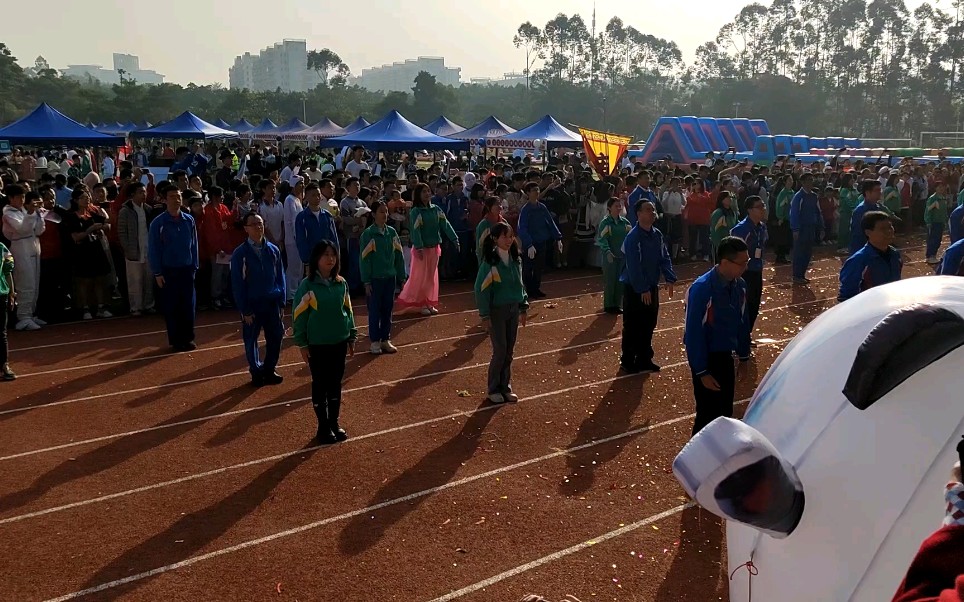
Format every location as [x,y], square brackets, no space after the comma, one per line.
[604,150]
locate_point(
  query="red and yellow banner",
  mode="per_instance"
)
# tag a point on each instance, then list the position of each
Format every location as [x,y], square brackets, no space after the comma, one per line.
[604,150]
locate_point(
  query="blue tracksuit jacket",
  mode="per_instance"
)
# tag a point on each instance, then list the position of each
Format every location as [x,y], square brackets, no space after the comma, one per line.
[536,225]
[172,242]
[868,268]
[756,238]
[953,262]
[805,211]
[716,320]
[857,237]
[310,230]
[257,279]
[646,259]
[956,224]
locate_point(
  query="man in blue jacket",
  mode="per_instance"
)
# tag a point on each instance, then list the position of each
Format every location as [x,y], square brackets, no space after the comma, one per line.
[172,251]
[870,192]
[805,223]
[876,263]
[717,325]
[536,230]
[953,262]
[314,224]
[956,224]
[753,231]
[647,259]
[258,284]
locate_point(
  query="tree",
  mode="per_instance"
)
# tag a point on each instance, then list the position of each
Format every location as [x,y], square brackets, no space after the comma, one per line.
[329,66]
[430,99]
[529,37]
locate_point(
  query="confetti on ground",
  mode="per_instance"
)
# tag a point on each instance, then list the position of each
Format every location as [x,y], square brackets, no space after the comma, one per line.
[278,587]
[464,394]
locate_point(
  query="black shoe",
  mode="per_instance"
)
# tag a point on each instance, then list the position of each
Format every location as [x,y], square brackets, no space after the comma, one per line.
[272,378]
[8,374]
[629,369]
[613,310]
[185,347]
[539,295]
[257,380]
[339,433]
[325,437]
[648,368]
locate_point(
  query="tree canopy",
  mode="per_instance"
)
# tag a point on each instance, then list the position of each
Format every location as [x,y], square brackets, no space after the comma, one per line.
[852,67]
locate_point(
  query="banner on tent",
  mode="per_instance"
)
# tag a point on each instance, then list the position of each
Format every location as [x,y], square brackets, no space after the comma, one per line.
[604,150]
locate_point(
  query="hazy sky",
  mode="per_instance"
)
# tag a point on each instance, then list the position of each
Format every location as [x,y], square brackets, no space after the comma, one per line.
[198,40]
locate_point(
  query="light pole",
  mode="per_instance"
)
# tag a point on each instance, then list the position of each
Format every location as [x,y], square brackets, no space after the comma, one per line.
[605,129]
[736,110]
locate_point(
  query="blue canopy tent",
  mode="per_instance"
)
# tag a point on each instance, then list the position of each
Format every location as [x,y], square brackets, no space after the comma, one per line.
[224,125]
[443,127]
[188,126]
[395,133]
[489,128]
[359,124]
[48,126]
[264,130]
[326,128]
[144,125]
[293,130]
[546,129]
[242,127]
[111,128]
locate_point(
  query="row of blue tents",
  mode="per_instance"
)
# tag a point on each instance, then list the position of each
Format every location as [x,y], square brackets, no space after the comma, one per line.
[48,126]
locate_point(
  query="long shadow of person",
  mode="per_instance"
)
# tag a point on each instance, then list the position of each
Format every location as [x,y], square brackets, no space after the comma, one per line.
[698,572]
[193,532]
[434,470]
[612,416]
[597,330]
[124,448]
[459,355]
[804,304]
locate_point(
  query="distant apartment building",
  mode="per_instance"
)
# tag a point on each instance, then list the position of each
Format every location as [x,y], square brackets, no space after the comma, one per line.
[127,65]
[508,80]
[399,76]
[284,66]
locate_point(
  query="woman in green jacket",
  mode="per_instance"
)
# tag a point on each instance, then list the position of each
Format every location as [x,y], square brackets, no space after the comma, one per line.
[721,221]
[612,232]
[382,269]
[848,202]
[428,225]
[891,196]
[502,301]
[324,329]
[493,216]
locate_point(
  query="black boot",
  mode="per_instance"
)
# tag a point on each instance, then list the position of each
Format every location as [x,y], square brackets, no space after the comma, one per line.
[324,435]
[334,409]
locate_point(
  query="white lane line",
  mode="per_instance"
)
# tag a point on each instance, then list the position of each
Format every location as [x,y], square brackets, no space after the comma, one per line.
[395,429]
[236,323]
[562,553]
[375,507]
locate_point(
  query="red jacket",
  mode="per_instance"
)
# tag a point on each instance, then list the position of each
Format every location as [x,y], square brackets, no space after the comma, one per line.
[937,572]
[699,208]
[217,229]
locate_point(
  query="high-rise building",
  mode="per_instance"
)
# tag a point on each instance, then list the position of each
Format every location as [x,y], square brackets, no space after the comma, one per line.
[284,66]
[399,76]
[127,65]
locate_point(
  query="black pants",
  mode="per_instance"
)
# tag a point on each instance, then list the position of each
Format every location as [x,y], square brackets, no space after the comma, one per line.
[639,322]
[710,405]
[4,320]
[327,364]
[178,303]
[754,291]
[532,268]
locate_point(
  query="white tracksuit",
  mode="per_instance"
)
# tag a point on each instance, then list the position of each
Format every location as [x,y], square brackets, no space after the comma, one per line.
[22,230]
[296,270]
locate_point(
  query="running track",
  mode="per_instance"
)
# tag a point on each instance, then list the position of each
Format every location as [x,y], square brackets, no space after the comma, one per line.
[128,472]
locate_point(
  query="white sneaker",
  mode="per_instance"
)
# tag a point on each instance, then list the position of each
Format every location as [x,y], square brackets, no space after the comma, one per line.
[376,349]
[426,311]
[496,398]
[387,347]
[87,316]
[38,321]
[433,310]
[932,260]
[27,324]
[511,397]
[104,314]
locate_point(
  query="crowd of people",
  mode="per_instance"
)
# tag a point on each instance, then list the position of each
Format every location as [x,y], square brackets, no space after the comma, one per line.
[239,228]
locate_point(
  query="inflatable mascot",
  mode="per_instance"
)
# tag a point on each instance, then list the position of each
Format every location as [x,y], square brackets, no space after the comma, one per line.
[836,473]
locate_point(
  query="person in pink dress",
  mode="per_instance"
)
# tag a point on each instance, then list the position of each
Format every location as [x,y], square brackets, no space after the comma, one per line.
[427,226]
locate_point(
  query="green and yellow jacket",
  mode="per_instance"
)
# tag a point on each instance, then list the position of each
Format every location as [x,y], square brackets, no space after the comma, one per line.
[323,314]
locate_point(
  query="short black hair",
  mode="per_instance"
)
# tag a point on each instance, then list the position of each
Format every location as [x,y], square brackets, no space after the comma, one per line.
[870,219]
[13,190]
[729,248]
[132,189]
[215,191]
[868,185]
[751,202]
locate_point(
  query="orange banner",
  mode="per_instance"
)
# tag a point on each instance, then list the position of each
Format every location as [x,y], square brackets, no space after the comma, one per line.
[604,150]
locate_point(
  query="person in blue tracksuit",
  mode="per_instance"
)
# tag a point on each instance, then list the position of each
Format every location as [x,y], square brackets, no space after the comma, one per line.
[314,224]
[876,263]
[642,192]
[717,325]
[956,224]
[536,230]
[258,284]
[646,260]
[870,191]
[953,262]
[172,251]
[805,221]
[753,231]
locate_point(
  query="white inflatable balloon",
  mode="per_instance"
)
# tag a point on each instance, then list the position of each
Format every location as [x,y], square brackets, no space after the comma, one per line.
[539,144]
[837,472]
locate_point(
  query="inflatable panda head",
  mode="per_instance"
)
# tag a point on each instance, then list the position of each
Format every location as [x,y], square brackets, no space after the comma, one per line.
[836,472]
